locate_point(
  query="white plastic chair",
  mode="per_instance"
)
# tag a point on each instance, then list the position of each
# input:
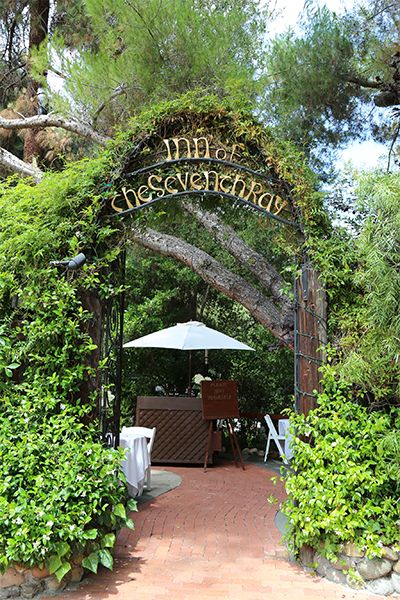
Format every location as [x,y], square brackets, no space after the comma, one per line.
[150,434]
[276,437]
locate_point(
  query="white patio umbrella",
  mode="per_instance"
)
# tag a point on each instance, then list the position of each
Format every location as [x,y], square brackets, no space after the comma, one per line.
[192,335]
[188,336]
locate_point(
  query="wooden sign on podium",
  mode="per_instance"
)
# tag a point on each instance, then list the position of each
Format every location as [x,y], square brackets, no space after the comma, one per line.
[220,401]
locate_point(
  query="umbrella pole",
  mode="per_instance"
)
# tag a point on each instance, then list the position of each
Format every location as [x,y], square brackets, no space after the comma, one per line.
[205,363]
[190,374]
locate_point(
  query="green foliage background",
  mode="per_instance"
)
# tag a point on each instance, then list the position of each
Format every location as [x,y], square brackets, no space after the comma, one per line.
[61,492]
[345,473]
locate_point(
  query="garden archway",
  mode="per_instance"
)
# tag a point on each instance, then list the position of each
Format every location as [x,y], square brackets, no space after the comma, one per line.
[198,155]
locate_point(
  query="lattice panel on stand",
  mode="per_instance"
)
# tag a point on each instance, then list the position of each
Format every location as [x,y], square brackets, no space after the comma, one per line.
[181,430]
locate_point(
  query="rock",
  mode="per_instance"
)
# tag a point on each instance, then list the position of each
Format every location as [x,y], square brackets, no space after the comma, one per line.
[351,549]
[374,568]
[30,589]
[253,451]
[261,453]
[396,582]
[52,585]
[76,574]
[245,452]
[396,567]
[39,573]
[389,553]
[325,569]
[10,592]
[306,555]
[11,577]
[382,586]
[344,562]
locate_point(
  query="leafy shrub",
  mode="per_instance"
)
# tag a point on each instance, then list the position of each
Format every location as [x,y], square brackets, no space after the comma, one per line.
[339,489]
[61,492]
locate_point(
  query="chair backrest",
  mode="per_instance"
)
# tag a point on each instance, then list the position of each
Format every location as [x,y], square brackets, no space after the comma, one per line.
[270,424]
[275,435]
[147,432]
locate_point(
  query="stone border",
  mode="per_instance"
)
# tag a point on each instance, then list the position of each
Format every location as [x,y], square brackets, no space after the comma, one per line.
[353,569]
[24,582]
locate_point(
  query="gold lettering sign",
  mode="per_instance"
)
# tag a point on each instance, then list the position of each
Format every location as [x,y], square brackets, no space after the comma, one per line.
[225,177]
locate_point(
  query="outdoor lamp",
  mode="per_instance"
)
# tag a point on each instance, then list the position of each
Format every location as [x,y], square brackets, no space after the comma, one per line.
[76,262]
[73,263]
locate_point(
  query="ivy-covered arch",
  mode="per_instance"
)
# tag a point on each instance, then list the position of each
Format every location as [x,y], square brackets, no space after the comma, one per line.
[191,150]
[55,319]
[187,139]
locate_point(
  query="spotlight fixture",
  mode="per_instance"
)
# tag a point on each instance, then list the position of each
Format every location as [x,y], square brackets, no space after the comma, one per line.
[73,263]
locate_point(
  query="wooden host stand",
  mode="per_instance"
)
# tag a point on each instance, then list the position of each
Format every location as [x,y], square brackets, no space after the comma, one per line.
[220,401]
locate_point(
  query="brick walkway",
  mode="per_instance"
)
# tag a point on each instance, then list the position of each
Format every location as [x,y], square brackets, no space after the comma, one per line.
[212,537]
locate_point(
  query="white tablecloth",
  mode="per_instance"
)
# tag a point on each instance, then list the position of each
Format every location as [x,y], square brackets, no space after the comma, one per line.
[136,463]
[283,428]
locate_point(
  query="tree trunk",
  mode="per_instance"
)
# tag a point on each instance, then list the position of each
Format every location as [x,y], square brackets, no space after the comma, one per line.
[39,19]
[254,262]
[276,315]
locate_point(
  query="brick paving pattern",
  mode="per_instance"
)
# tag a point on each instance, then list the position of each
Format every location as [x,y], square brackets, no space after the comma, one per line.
[212,537]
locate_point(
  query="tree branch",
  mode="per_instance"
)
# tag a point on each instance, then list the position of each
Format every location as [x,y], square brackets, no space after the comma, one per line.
[362,82]
[42,121]
[119,91]
[278,320]
[396,135]
[254,262]
[15,164]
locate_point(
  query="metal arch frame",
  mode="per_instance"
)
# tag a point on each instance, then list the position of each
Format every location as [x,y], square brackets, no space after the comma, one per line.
[269,178]
[111,351]
[210,193]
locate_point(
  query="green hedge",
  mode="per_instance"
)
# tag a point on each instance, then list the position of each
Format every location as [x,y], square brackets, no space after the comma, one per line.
[61,492]
[341,487]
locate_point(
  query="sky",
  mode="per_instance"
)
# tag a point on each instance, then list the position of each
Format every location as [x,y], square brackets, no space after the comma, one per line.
[292,8]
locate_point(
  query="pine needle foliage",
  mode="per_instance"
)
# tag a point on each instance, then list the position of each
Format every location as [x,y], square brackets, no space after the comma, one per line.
[147,50]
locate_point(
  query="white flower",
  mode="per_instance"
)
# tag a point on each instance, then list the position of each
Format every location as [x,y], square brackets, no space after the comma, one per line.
[50,523]
[198,378]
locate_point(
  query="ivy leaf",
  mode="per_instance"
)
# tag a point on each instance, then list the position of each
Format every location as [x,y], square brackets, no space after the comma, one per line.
[13,366]
[91,562]
[119,511]
[63,548]
[129,523]
[108,540]
[90,534]
[105,558]
[54,563]
[132,505]
[65,567]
